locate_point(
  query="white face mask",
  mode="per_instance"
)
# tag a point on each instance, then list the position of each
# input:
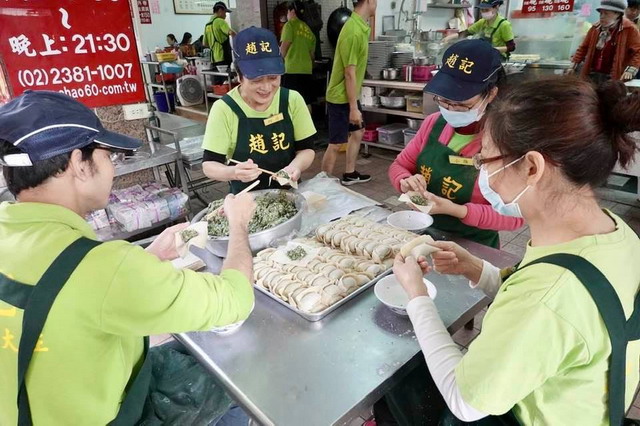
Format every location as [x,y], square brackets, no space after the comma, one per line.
[488,15]
[459,119]
[506,209]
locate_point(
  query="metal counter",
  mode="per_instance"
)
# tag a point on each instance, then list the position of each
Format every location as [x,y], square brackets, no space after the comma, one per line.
[285,370]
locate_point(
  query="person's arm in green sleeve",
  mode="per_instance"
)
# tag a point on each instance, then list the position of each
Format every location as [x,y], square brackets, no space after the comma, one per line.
[506,34]
[349,49]
[287,39]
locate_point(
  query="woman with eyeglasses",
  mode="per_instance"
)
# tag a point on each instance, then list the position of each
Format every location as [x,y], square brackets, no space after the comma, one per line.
[439,161]
[560,343]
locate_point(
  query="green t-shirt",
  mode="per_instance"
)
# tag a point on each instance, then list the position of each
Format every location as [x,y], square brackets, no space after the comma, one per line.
[92,340]
[352,49]
[216,32]
[222,125]
[303,44]
[503,34]
[544,348]
[458,141]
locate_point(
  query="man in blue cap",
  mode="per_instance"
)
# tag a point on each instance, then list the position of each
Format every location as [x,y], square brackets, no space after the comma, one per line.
[74,311]
[258,125]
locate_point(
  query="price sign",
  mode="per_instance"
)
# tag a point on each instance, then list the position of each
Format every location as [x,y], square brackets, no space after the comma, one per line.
[85,49]
[547,6]
[144,11]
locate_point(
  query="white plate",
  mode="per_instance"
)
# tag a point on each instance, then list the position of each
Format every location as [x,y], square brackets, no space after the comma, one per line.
[226,330]
[389,291]
[410,220]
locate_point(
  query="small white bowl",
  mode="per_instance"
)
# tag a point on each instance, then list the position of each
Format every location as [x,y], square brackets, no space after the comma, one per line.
[390,292]
[410,220]
[222,68]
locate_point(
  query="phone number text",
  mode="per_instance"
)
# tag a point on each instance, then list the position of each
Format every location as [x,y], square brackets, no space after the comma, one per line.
[43,77]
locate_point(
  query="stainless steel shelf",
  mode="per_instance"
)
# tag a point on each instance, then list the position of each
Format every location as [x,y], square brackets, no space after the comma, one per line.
[449,6]
[162,155]
[150,62]
[216,73]
[156,85]
[399,112]
[397,148]
[214,96]
[391,84]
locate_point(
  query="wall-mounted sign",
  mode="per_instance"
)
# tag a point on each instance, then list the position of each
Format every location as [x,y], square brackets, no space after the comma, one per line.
[144,11]
[198,7]
[85,49]
[547,6]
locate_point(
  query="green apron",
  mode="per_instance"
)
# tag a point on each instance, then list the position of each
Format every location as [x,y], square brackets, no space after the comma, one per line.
[226,47]
[410,407]
[269,142]
[452,181]
[36,301]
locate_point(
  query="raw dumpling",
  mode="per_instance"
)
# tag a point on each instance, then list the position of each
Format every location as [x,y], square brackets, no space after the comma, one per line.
[420,246]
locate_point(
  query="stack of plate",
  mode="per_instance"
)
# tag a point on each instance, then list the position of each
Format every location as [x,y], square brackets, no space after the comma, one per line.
[400,59]
[379,56]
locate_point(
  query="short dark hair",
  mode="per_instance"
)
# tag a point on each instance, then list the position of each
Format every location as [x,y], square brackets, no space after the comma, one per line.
[186,38]
[20,178]
[172,37]
[581,130]
[633,3]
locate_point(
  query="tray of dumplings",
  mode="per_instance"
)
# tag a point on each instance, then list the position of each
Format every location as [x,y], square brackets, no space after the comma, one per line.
[315,276]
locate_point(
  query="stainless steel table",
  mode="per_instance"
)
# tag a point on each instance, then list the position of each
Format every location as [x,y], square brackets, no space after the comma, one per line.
[284,370]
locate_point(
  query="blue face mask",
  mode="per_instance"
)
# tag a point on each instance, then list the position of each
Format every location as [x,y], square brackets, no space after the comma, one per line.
[506,209]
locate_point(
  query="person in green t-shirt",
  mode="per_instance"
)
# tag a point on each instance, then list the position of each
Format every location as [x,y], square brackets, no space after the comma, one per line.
[298,45]
[559,344]
[79,309]
[492,28]
[344,114]
[216,35]
[258,125]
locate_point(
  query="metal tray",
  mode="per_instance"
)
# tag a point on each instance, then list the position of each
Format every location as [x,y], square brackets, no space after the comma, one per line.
[320,315]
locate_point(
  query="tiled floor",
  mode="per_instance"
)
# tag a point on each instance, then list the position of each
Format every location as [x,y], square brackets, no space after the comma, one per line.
[380,189]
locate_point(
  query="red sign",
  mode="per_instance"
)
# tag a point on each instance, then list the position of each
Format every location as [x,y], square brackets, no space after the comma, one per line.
[144,11]
[86,49]
[547,6]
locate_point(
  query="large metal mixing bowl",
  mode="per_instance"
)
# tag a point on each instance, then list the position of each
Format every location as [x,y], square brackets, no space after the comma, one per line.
[263,239]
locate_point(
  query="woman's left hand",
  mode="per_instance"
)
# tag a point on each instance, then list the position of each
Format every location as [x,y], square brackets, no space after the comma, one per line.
[293,172]
[409,273]
[626,76]
[445,206]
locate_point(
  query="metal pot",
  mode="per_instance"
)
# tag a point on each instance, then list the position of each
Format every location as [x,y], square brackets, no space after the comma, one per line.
[263,239]
[393,101]
[389,74]
[414,123]
[420,61]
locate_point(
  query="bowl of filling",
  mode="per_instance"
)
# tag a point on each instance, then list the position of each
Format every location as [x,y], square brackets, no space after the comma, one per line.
[390,292]
[278,214]
[410,220]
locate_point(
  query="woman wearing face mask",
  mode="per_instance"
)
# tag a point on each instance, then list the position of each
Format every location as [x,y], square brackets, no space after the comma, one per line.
[258,124]
[438,161]
[492,28]
[611,48]
[553,347]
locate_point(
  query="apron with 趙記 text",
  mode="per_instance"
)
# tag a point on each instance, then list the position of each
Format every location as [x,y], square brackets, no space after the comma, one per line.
[453,180]
[268,142]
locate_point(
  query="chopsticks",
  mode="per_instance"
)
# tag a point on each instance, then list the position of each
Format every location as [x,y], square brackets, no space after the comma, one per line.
[231,160]
[247,189]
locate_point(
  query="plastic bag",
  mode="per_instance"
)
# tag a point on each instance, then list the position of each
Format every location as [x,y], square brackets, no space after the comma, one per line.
[181,391]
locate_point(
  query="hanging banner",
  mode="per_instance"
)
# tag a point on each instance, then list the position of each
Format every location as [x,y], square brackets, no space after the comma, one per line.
[144,11]
[547,6]
[86,49]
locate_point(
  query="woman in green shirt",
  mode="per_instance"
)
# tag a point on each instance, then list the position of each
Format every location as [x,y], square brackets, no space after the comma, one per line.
[559,344]
[492,28]
[298,50]
[258,125]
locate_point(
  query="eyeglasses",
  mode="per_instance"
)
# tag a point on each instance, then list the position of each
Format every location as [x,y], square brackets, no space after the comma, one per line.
[478,161]
[444,103]
[116,157]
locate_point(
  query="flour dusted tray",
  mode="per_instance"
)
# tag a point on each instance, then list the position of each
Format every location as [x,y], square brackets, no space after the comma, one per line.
[345,258]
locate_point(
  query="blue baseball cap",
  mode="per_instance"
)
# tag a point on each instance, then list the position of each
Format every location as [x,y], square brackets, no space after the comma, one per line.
[488,4]
[45,124]
[257,53]
[468,67]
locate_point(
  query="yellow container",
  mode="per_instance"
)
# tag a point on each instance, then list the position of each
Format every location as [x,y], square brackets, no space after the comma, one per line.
[343,148]
[164,57]
[414,103]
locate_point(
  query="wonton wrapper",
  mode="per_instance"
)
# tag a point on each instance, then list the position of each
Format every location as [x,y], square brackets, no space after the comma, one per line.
[406,198]
[420,246]
[280,255]
[199,240]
